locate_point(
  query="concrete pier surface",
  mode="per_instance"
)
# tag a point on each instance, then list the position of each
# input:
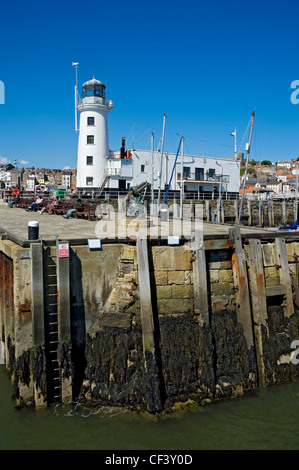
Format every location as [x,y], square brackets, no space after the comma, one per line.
[14,222]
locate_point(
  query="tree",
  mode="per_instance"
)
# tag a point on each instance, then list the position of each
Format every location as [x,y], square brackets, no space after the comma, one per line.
[266,163]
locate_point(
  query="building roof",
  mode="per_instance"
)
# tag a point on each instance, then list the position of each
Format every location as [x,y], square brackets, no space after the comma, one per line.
[92,82]
[6,167]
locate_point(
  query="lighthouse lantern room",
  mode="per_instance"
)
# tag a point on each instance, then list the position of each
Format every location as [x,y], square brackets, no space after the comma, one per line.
[93,146]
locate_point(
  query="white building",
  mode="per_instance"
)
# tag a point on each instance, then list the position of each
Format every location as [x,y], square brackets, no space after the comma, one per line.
[93,147]
[66,179]
[285,164]
[200,174]
[119,170]
[5,172]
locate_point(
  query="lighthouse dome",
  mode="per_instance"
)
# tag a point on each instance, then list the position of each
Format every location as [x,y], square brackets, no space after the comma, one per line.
[93,88]
[93,82]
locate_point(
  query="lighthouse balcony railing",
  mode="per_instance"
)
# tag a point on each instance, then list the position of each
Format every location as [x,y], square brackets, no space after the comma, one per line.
[194,177]
[113,172]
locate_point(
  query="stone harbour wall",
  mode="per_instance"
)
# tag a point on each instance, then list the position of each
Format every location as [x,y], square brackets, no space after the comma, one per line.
[186,327]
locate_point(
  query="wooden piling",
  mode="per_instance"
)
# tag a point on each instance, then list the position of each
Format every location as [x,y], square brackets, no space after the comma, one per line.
[208,212]
[284,212]
[241,286]
[270,213]
[261,213]
[258,301]
[201,303]
[148,329]
[249,210]
[285,278]
[236,211]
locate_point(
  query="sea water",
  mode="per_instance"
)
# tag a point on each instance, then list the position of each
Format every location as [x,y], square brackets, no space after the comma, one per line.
[264,419]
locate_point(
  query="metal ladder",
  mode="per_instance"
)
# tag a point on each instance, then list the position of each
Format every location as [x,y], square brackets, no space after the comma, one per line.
[102,186]
[52,324]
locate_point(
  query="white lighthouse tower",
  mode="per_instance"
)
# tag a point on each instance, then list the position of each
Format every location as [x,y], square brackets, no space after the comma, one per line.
[93,146]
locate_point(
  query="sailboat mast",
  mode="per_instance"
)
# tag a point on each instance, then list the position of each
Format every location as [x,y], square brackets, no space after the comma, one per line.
[236,151]
[161,168]
[182,179]
[246,167]
[152,168]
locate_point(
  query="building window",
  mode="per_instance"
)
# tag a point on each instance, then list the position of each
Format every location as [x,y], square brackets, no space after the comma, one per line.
[186,172]
[89,181]
[89,160]
[142,168]
[90,139]
[90,121]
[211,173]
[199,174]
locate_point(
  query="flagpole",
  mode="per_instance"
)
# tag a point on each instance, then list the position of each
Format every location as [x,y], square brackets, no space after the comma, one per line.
[235,136]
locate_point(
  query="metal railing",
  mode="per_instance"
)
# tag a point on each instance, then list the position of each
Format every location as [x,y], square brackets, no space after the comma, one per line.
[113,171]
[206,178]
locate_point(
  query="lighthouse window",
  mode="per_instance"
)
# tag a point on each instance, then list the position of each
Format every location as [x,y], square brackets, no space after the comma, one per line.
[90,139]
[89,160]
[142,168]
[90,121]
[87,91]
[89,181]
[99,91]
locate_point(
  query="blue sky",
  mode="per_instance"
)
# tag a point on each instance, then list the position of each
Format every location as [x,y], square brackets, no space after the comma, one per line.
[207,65]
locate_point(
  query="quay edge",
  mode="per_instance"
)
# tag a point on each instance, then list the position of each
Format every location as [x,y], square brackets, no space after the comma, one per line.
[93,327]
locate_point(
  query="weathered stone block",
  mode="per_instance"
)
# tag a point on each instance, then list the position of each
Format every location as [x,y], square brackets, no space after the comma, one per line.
[214,265]
[164,292]
[126,268]
[272,281]
[292,268]
[220,302]
[290,247]
[163,258]
[161,278]
[214,275]
[188,277]
[226,275]
[128,252]
[296,248]
[271,272]
[182,259]
[220,265]
[176,277]
[175,306]
[181,292]
[221,288]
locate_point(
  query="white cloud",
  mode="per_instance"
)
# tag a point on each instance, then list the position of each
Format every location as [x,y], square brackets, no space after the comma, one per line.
[23,162]
[66,168]
[4,161]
